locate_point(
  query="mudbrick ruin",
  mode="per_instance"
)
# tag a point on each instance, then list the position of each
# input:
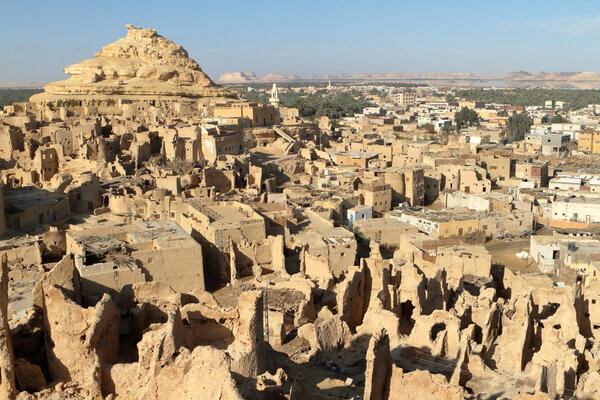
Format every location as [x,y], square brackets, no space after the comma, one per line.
[163,238]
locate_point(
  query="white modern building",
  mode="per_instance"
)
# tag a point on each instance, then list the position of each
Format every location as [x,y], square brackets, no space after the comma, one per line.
[358,213]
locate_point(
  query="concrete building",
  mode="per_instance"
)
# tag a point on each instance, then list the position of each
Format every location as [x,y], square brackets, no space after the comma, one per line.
[554,143]
[407,99]
[577,209]
[554,104]
[441,224]
[545,251]
[583,257]
[534,172]
[359,213]
[373,111]
[565,183]
[459,222]
[589,142]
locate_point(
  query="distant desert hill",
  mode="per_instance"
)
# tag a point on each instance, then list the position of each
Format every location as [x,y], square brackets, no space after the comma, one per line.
[586,76]
[554,76]
[237,77]
[251,77]
[22,85]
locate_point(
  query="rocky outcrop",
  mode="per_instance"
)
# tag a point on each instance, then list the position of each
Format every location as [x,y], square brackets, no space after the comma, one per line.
[141,65]
[536,396]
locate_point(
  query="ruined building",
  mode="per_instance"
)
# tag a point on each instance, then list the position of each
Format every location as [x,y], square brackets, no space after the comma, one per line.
[162,238]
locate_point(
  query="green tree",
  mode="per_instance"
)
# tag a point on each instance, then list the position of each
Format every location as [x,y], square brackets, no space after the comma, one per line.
[466,117]
[575,99]
[428,127]
[335,106]
[258,97]
[377,92]
[518,126]
[443,136]
[558,119]
[9,96]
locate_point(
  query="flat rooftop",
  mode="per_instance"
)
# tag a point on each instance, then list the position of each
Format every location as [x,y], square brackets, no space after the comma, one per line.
[315,237]
[354,154]
[464,250]
[579,200]
[360,208]
[227,212]
[455,214]
[20,199]
[378,223]
[489,195]
[162,234]
[544,240]
[566,180]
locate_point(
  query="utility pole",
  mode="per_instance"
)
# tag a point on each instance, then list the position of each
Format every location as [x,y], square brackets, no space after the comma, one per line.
[266,312]
[320,139]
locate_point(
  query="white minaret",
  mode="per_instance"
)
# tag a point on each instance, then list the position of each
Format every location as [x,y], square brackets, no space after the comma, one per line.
[329,87]
[274,99]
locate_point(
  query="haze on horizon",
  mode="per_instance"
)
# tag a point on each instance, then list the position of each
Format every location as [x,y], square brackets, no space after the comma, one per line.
[327,37]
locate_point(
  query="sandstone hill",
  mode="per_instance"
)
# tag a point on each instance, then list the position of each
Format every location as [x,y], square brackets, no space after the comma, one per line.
[142,65]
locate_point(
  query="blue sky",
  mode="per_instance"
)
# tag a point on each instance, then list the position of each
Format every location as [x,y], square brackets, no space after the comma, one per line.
[307,37]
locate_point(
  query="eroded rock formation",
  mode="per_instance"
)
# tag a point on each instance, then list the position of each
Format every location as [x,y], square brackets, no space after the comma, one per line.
[142,65]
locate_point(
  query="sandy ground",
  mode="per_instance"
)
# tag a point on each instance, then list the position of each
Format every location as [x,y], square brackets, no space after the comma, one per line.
[348,383]
[504,252]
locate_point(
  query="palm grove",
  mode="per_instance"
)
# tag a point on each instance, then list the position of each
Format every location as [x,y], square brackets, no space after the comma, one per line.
[518,125]
[318,104]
